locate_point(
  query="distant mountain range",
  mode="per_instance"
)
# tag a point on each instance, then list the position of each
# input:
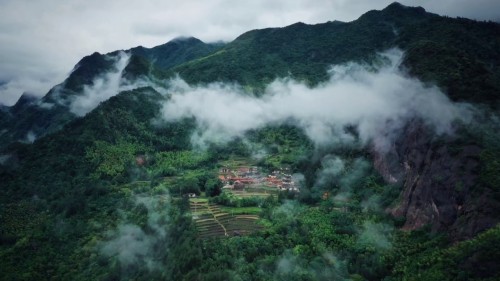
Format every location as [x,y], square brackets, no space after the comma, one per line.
[446,51]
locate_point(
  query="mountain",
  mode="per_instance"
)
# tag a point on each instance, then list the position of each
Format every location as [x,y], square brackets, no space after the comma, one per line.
[54,110]
[98,176]
[447,56]
[464,47]
[176,52]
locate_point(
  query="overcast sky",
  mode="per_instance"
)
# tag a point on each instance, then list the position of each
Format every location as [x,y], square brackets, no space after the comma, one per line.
[41,41]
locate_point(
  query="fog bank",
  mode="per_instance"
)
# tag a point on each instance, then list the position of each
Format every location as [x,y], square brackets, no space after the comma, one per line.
[377,101]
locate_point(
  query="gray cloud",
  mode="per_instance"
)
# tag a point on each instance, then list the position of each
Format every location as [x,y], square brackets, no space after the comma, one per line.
[288,211]
[102,88]
[30,137]
[379,103]
[40,41]
[331,169]
[376,234]
[132,245]
[340,176]
[325,267]
[4,158]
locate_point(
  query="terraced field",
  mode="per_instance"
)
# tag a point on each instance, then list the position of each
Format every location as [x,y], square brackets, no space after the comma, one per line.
[254,192]
[246,194]
[212,221]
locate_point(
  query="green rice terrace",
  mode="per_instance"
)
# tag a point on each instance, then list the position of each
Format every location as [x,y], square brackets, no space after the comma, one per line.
[213,220]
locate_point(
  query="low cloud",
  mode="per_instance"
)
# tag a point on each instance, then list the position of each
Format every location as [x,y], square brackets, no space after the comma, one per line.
[377,235]
[331,169]
[325,267]
[11,91]
[131,245]
[298,179]
[355,173]
[30,137]
[140,247]
[4,158]
[371,204]
[340,177]
[41,41]
[288,211]
[102,87]
[377,101]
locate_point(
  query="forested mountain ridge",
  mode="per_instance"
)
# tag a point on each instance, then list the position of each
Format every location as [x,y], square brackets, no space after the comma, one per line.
[435,46]
[53,111]
[451,55]
[102,192]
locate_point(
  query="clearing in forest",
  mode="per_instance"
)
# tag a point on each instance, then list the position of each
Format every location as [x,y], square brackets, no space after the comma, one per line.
[216,221]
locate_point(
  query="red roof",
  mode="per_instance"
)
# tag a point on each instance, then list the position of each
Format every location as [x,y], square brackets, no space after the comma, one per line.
[247,180]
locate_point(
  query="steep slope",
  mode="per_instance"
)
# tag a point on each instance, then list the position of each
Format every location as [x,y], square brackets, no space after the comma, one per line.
[51,112]
[302,51]
[176,52]
[442,179]
[446,51]
[61,195]
[451,55]
[461,56]
[56,180]
[55,109]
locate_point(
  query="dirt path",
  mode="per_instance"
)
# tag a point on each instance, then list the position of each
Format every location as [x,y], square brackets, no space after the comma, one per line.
[215,218]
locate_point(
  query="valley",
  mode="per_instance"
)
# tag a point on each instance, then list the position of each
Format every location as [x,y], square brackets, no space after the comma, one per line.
[363,150]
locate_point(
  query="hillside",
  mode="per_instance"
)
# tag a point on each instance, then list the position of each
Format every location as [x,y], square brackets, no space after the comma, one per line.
[363,150]
[90,74]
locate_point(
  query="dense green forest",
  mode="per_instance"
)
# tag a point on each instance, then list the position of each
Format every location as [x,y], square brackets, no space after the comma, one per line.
[109,195]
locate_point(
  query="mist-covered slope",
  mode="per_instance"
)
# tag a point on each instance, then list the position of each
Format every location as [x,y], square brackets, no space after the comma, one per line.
[446,51]
[388,124]
[94,79]
[458,55]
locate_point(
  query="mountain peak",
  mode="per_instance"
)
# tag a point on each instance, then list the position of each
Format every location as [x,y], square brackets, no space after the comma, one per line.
[26,98]
[396,13]
[397,7]
[175,51]
[24,101]
[184,39]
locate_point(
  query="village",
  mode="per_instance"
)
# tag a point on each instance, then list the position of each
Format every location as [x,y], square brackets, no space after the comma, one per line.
[241,180]
[247,177]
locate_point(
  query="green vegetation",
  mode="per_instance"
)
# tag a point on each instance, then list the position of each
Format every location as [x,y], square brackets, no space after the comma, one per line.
[107,196]
[490,156]
[213,221]
[242,210]
[421,256]
[85,217]
[175,52]
[111,160]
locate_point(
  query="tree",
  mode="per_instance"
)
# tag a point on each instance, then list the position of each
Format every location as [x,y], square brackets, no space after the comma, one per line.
[187,184]
[213,187]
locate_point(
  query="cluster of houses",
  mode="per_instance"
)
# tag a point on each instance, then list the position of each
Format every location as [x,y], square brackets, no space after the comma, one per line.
[244,177]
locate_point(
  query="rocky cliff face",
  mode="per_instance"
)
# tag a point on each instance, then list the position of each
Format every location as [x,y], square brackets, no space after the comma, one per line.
[440,184]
